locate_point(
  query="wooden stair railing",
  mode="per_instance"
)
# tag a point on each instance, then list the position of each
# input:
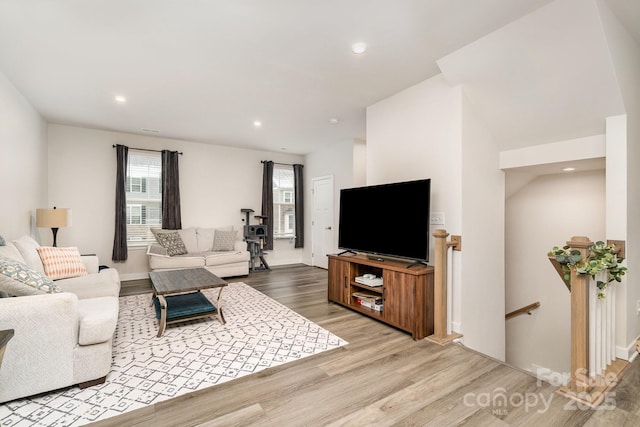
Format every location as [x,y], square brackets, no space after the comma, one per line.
[584,387]
[440,332]
[526,309]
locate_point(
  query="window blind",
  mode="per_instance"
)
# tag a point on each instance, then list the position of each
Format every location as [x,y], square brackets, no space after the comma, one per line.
[144,196]
[283,202]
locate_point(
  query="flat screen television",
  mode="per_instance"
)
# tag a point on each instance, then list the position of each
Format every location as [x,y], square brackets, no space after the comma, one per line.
[388,220]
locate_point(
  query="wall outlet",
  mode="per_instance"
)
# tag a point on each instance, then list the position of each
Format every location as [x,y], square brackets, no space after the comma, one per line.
[437,218]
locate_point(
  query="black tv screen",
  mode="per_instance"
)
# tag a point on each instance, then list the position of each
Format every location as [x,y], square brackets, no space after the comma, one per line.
[389,219]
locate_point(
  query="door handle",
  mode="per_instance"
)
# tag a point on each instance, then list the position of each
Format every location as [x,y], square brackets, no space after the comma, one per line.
[328,228]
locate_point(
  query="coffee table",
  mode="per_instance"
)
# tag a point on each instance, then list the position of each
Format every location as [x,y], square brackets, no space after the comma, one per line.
[177,296]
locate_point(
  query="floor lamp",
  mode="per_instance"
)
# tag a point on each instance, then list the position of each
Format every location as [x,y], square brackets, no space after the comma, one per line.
[54,219]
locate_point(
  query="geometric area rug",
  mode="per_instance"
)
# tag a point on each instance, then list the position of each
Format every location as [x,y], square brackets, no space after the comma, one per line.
[259,333]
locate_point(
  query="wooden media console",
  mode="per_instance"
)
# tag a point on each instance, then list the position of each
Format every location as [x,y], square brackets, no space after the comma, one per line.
[407,293]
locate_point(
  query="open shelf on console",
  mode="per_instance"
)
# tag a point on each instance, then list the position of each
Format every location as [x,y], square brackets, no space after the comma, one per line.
[365,310]
[376,289]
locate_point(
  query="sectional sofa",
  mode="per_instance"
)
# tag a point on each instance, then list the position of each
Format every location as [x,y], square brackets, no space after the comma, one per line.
[63,328]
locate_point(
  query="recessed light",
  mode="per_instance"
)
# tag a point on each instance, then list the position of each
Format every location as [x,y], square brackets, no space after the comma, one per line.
[334,120]
[120,99]
[568,169]
[257,123]
[359,48]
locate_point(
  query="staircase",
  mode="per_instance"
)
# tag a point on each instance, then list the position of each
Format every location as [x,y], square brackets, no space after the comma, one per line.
[594,368]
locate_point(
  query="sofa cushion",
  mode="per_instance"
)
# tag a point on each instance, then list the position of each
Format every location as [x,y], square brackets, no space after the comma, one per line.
[226,257]
[189,238]
[19,279]
[164,262]
[97,318]
[204,236]
[28,249]
[172,242]
[61,263]
[223,240]
[10,251]
[106,283]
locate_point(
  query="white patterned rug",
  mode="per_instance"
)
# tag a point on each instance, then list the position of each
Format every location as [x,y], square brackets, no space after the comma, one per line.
[259,333]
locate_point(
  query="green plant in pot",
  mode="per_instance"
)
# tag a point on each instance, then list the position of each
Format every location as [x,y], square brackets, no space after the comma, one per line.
[600,258]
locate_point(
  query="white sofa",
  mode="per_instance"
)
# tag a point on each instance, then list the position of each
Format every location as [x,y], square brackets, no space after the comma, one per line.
[200,244]
[61,339]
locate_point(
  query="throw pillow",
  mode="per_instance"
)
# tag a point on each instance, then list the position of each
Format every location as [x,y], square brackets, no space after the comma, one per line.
[188,236]
[61,263]
[26,275]
[172,242]
[223,240]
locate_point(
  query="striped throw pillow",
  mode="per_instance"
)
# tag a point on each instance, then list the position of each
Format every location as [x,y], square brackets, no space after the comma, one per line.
[62,263]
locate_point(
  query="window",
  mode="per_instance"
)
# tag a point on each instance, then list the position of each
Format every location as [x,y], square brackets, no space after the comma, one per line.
[137,184]
[283,202]
[134,214]
[144,196]
[289,218]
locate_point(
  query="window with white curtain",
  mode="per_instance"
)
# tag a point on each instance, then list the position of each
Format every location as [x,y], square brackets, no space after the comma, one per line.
[144,196]
[283,202]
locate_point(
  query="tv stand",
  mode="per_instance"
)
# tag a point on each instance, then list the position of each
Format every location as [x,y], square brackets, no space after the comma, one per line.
[407,294]
[416,263]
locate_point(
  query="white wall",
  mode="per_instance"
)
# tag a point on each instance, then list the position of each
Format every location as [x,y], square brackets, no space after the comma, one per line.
[416,134]
[483,210]
[215,183]
[359,163]
[547,212]
[625,56]
[335,160]
[23,174]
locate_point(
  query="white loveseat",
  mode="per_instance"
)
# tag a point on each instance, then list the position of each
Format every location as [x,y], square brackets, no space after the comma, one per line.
[202,247]
[61,339]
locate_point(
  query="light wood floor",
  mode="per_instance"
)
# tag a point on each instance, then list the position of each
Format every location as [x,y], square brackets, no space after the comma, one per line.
[382,377]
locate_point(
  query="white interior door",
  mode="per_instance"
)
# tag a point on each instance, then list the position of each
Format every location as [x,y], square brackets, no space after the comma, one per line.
[322,221]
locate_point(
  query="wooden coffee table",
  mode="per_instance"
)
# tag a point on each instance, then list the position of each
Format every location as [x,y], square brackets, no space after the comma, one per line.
[177,296]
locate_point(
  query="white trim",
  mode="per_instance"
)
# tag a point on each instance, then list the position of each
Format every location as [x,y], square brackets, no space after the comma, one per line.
[456,327]
[285,261]
[628,353]
[133,276]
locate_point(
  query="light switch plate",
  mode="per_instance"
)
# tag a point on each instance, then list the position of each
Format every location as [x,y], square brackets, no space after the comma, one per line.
[437,218]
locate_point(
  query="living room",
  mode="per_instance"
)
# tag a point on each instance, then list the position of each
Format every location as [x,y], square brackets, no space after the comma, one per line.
[437,127]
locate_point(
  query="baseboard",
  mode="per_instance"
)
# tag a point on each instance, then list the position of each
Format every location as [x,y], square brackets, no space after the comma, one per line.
[284,261]
[628,353]
[133,276]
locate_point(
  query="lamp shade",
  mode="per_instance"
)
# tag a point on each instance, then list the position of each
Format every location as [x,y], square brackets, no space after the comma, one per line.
[53,218]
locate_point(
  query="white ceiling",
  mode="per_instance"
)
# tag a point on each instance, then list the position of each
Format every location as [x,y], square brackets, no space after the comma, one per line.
[204,70]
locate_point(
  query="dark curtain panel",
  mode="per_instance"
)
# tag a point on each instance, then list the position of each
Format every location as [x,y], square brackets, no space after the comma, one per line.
[267,202]
[120,251]
[171,217]
[299,199]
